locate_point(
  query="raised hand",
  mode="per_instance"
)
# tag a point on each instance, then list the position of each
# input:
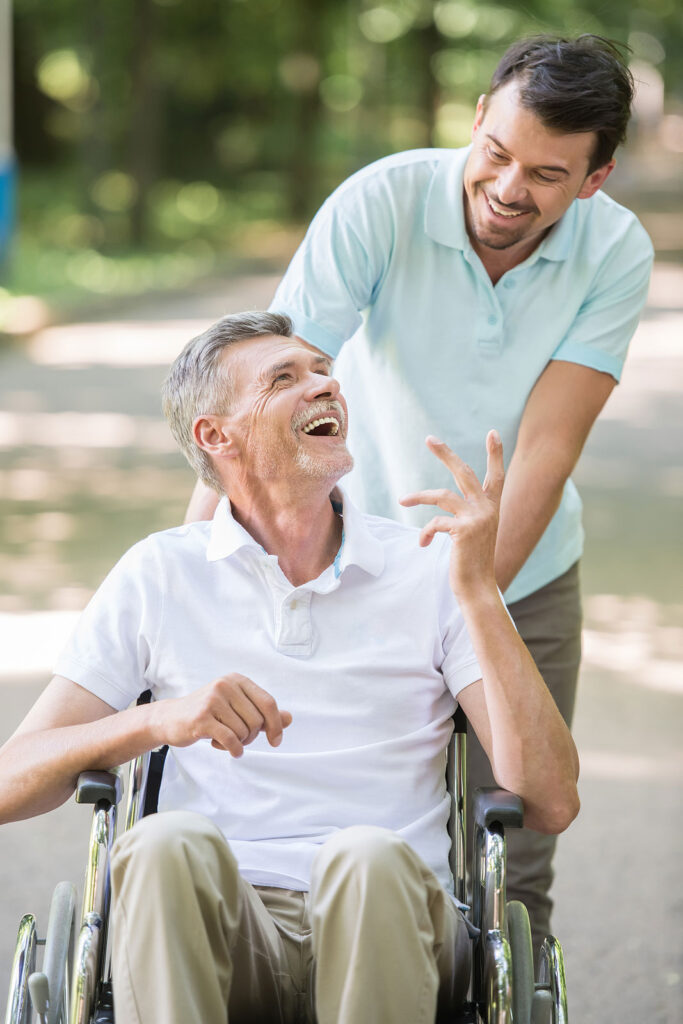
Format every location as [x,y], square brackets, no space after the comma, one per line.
[230,712]
[472,521]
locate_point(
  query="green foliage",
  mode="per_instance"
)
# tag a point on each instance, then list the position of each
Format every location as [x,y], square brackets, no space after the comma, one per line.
[165,124]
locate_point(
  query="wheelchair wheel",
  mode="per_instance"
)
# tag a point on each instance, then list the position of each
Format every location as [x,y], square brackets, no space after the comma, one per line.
[18,1003]
[521,951]
[53,981]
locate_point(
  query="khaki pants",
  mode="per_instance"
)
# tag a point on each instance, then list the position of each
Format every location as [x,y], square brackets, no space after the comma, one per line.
[376,941]
[549,622]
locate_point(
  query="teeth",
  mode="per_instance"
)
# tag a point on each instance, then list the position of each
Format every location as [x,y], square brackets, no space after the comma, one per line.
[317,423]
[503,213]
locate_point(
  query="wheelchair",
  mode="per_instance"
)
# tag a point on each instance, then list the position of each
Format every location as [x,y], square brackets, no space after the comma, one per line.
[74,984]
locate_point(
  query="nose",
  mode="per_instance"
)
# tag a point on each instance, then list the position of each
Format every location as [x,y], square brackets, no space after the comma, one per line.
[322,386]
[510,185]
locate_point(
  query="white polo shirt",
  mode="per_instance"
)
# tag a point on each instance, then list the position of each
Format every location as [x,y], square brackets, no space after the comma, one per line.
[368,657]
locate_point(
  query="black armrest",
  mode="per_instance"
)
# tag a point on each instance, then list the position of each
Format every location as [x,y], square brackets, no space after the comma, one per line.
[497,805]
[95,786]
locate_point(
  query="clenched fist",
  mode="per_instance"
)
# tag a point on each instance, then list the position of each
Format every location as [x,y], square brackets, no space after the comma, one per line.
[230,712]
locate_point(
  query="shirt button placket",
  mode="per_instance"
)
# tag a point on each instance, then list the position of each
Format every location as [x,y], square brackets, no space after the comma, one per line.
[490,319]
[295,619]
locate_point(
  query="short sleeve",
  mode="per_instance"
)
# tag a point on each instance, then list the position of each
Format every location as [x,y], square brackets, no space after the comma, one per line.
[338,267]
[459,666]
[600,334]
[110,650]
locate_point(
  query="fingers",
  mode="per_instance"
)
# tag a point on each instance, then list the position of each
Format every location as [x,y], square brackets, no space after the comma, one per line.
[223,737]
[266,707]
[495,467]
[439,524]
[464,475]
[445,499]
[246,718]
[246,710]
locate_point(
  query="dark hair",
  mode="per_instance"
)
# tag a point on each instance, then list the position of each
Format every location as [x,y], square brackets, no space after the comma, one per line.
[198,385]
[573,85]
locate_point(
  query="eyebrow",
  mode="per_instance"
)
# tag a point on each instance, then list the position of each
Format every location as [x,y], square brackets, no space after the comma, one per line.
[540,167]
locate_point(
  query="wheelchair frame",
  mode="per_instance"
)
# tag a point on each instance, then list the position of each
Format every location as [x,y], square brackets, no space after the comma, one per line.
[74,987]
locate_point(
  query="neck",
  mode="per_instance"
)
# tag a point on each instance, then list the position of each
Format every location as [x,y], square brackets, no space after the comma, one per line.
[298,524]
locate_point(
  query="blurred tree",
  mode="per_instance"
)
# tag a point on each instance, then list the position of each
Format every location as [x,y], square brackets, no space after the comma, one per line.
[259,107]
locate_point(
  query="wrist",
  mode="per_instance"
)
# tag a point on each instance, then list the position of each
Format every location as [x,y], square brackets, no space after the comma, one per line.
[153,731]
[479,595]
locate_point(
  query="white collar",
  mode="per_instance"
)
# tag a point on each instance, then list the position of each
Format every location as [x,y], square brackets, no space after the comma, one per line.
[359,546]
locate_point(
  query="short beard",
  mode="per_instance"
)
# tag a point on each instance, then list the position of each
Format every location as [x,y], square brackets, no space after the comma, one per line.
[323,469]
[498,246]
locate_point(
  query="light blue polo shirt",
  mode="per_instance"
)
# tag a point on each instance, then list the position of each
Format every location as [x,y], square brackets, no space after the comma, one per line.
[387,282]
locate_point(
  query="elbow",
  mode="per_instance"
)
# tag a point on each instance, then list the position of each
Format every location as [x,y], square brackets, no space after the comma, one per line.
[557,818]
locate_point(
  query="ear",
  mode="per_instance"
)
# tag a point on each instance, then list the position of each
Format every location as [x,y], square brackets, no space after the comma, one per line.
[212,435]
[479,115]
[596,180]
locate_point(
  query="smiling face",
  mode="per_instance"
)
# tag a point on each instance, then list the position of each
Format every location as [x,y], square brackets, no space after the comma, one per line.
[520,177]
[288,416]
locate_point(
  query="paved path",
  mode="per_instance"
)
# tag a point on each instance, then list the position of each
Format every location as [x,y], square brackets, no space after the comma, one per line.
[87,466]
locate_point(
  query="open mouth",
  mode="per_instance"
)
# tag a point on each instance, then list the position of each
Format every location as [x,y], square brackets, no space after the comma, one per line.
[323,426]
[501,211]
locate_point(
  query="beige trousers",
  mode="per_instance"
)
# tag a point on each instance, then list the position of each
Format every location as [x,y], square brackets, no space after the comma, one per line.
[376,941]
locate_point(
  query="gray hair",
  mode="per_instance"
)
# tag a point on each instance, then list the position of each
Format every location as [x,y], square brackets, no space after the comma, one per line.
[197,385]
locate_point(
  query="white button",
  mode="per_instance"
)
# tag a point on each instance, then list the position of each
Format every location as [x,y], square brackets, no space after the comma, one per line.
[493,319]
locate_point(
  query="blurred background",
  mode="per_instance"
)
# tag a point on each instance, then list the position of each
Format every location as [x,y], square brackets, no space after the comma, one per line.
[158,139]
[159,162]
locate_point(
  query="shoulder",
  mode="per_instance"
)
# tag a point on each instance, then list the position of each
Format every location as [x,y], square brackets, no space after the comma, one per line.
[176,546]
[609,227]
[412,169]
[401,544]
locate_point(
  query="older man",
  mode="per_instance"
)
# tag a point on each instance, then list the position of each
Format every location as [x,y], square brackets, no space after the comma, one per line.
[305,661]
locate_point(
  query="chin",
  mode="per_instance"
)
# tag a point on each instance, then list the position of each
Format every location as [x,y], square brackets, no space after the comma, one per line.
[325,467]
[500,239]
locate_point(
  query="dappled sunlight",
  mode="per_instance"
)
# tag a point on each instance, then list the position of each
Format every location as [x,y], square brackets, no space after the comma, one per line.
[633,655]
[26,484]
[86,430]
[31,641]
[636,638]
[68,481]
[129,343]
[611,766]
[50,527]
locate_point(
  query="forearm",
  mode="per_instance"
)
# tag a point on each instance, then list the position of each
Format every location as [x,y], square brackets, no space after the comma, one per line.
[530,747]
[39,770]
[531,496]
[555,424]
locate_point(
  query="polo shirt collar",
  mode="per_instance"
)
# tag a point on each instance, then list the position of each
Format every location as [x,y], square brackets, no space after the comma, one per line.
[360,547]
[557,244]
[444,219]
[444,209]
[227,535]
